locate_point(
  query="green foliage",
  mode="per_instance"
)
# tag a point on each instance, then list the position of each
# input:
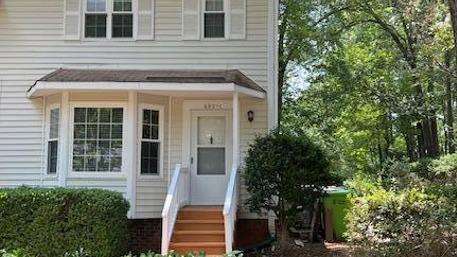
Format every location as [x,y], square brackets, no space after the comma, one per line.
[63,222]
[445,168]
[410,209]
[403,223]
[359,93]
[283,172]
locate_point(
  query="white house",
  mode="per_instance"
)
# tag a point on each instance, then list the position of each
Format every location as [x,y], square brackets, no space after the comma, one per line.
[157,99]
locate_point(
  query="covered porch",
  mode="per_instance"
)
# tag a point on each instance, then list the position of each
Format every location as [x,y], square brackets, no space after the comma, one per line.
[192,123]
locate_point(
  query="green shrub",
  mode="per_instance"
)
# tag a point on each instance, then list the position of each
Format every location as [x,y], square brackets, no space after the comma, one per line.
[444,168]
[284,172]
[62,222]
[415,221]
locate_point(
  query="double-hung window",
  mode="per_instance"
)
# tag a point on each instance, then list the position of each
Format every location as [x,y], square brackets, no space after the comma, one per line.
[214,19]
[151,140]
[53,141]
[108,19]
[97,139]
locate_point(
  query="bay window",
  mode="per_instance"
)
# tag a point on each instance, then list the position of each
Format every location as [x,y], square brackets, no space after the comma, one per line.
[97,139]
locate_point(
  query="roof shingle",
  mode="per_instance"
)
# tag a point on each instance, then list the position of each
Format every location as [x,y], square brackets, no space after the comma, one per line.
[166,76]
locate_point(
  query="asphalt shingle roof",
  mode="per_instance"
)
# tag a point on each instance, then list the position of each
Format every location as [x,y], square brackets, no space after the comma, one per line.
[167,76]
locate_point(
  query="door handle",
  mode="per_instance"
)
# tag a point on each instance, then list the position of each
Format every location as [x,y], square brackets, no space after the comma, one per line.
[191,160]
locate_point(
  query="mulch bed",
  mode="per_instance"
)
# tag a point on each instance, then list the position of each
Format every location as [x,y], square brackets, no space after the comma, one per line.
[309,250]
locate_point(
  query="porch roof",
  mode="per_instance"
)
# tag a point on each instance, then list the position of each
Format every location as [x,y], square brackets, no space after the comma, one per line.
[146,80]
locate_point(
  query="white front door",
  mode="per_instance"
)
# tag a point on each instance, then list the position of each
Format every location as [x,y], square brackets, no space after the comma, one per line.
[211,152]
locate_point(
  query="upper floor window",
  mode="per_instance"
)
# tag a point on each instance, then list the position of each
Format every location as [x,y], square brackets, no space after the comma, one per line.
[214,19]
[108,19]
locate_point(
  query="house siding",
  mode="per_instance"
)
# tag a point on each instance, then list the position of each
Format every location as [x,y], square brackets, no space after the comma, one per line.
[32,45]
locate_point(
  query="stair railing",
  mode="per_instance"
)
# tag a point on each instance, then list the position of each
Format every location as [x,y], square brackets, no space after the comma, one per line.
[231,208]
[177,196]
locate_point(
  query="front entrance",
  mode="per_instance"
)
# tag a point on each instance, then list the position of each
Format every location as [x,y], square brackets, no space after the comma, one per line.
[211,155]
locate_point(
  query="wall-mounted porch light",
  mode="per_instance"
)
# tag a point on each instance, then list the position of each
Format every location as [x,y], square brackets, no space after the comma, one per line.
[250,116]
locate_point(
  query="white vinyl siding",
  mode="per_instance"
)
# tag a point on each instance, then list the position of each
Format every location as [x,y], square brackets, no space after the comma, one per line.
[32,46]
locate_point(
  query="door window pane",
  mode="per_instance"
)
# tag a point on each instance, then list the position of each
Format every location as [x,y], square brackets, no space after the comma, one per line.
[211,130]
[211,161]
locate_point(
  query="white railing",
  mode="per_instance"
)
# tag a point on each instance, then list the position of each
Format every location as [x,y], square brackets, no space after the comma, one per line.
[231,208]
[178,195]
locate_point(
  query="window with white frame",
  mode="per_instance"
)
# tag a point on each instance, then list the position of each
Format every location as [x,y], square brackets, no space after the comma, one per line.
[108,19]
[150,141]
[53,140]
[97,139]
[214,19]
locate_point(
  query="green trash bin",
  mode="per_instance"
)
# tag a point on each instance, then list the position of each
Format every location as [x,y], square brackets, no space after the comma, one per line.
[336,206]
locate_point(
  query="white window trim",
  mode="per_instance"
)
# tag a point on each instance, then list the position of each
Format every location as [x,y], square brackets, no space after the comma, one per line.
[49,108]
[109,22]
[226,21]
[160,109]
[123,173]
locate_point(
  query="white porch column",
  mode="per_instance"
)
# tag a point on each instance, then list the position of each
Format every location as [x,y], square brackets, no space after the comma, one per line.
[132,150]
[64,139]
[236,128]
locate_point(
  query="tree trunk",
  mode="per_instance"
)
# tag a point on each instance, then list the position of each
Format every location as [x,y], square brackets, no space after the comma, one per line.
[283,60]
[453,11]
[449,112]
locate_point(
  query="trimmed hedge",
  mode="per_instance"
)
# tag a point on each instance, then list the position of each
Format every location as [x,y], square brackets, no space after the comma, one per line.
[52,222]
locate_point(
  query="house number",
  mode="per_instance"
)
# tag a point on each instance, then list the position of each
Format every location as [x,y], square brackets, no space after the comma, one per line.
[214,106]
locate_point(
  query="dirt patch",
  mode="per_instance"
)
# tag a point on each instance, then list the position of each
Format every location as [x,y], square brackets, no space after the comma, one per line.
[308,250]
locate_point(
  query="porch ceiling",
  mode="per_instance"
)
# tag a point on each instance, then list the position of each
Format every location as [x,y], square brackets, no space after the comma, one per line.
[164,82]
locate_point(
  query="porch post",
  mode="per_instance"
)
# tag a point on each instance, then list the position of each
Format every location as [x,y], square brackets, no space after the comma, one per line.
[131,146]
[64,139]
[236,129]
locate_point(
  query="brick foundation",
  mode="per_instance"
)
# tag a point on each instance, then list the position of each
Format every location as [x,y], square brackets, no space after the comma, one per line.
[145,235]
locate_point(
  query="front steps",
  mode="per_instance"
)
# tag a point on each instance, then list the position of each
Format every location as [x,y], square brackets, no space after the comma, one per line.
[199,228]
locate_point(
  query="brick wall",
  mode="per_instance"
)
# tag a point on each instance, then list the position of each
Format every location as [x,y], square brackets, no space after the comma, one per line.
[145,235]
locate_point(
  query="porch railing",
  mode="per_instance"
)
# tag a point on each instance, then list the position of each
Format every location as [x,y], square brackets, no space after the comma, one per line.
[231,208]
[178,195]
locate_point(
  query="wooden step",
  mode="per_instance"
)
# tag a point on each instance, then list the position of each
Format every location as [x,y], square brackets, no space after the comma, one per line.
[201,213]
[198,236]
[199,225]
[211,248]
